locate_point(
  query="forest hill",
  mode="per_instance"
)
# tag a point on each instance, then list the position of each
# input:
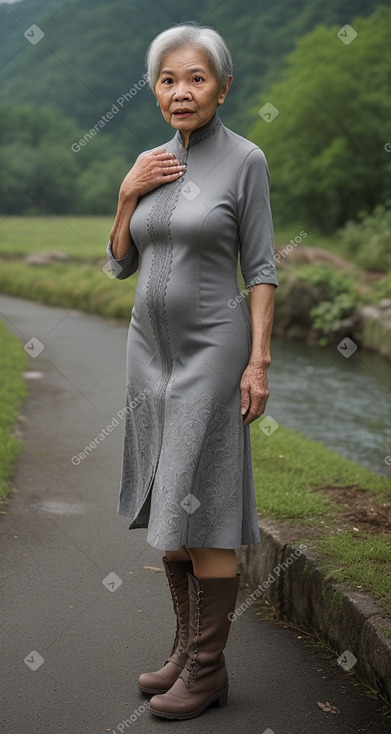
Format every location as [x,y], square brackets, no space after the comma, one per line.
[105,119]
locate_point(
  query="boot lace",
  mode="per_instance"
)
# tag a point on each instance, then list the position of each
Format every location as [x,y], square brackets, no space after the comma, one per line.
[193,664]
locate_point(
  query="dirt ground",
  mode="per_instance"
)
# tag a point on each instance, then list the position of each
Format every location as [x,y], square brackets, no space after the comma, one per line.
[360,510]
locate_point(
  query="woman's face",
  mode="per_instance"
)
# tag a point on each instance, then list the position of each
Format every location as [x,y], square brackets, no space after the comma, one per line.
[187,89]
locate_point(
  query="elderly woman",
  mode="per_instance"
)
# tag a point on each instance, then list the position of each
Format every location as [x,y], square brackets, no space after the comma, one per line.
[197,358]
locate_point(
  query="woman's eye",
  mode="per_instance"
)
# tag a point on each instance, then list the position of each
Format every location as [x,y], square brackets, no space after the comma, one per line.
[164,81]
[198,79]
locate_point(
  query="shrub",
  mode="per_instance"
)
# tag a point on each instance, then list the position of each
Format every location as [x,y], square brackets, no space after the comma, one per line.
[368,241]
[338,294]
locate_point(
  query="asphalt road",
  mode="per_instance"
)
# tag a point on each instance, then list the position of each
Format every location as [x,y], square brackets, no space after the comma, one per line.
[82,616]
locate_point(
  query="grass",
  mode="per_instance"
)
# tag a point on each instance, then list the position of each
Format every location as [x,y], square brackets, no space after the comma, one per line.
[364,562]
[85,287]
[82,238]
[13,361]
[287,469]
[79,283]
[85,238]
[293,466]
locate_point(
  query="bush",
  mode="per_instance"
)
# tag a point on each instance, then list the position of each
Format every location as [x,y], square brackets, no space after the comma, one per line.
[338,293]
[369,241]
[330,282]
[327,313]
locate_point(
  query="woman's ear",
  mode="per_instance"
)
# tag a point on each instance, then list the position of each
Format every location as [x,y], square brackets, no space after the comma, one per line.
[224,90]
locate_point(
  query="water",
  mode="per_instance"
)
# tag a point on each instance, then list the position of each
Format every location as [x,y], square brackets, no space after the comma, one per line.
[343,402]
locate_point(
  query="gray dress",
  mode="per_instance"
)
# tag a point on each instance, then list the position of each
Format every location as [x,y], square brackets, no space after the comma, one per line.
[187,471]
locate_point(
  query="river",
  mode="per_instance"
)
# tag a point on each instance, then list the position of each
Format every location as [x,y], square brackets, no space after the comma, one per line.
[343,402]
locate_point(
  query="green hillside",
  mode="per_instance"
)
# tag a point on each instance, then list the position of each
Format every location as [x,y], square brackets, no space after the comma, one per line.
[93,51]
[91,54]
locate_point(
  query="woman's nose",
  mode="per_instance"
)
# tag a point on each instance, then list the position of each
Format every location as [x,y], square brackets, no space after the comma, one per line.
[181,92]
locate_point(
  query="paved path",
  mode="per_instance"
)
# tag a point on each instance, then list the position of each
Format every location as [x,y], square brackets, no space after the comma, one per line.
[62,536]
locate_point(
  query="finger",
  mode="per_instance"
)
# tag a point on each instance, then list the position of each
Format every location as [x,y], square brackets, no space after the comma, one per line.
[164,154]
[244,400]
[251,416]
[167,177]
[172,162]
[163,172]
[250,412]
[247,420]
[180,168]
[257,407]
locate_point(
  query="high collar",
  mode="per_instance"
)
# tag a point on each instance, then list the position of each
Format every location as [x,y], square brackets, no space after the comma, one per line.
[200,133]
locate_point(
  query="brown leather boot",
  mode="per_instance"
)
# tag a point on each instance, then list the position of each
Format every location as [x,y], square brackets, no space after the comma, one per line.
[204,679]
[163,679]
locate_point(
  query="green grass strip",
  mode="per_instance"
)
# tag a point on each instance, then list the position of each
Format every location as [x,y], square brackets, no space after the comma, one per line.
[82,238]
[363,560]
[84,287]
[13,361]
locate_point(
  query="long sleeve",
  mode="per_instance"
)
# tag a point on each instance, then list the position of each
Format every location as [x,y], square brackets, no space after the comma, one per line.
[256,238]
[124,266]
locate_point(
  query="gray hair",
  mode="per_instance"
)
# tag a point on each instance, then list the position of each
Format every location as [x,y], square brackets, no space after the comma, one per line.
[192,34]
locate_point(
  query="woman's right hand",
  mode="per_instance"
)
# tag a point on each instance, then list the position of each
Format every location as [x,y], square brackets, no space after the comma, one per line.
[150,170]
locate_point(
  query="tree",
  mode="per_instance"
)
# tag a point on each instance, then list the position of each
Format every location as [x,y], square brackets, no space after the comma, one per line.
[44,169]
[98,186]
[326,145]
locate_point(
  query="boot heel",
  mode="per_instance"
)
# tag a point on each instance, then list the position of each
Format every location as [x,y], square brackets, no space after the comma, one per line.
[222,700]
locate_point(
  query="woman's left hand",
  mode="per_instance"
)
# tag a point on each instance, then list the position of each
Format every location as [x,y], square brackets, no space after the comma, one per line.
[254,391]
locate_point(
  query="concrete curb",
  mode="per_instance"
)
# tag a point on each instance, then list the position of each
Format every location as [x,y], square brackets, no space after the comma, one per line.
[291,579]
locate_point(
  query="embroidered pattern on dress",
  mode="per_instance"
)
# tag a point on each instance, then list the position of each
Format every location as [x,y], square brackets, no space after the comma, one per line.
[205,440]
[158,227]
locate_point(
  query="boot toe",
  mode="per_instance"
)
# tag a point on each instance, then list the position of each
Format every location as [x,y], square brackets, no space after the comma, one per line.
[161,681]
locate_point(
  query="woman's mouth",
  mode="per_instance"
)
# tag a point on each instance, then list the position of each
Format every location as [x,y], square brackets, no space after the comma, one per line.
[182,114]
